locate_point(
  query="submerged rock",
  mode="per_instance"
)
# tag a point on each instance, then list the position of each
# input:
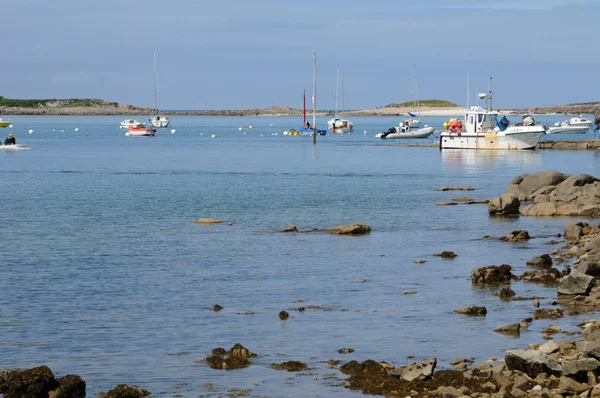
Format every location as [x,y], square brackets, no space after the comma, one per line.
[472,310]
[217,308]
[238,358]
[283,315]
[125,391]
[505,292]
[291,228]
[350,229]
[208,221]
[346,350]
[513,329]
[453,188]
[290,366]
[446,254]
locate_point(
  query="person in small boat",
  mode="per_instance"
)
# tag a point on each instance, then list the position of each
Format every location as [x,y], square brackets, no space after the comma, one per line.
[10,140]
[308,125]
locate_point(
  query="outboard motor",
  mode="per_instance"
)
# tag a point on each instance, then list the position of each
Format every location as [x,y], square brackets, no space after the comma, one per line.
[390,131]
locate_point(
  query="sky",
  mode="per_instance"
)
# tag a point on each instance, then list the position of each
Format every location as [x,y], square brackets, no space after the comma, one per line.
[233,54]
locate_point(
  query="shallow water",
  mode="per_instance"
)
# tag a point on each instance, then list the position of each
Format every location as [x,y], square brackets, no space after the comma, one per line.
[105,275]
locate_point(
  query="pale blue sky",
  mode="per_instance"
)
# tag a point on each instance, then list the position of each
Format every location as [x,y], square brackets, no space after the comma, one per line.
[242,54]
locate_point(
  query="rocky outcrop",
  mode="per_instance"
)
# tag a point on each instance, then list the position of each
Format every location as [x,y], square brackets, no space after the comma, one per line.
[446,255]
[507,204]
[415,371]
[35,382]
[350,229]
[472,310]
[208,221]
[576,283]
[125,391]
[531,362]
[237,358]
[544,261]
[551,193]
[491,275]
[290,366]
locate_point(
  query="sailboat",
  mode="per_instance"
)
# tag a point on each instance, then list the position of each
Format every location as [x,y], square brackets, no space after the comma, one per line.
[409,128]
[337,125]
[158,121]
[307,128]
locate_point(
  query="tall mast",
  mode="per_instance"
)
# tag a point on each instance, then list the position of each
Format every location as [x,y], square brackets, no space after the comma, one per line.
[337,89]
[304,125]
[468,90]
[155,84]
[315,100]
[343,95]
[416,92]
[490,94]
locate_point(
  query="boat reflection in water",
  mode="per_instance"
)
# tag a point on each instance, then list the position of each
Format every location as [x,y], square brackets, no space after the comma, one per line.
[472,161]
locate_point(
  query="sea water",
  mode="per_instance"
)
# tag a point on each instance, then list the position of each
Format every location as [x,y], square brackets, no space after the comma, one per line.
[105,275]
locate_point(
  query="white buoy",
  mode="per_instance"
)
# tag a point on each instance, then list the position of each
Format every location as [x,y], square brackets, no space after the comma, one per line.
[286,132]
[250,126]
[271,125]
[10,126]
[173,131]
[241,128]
[201,133]
[30,131]
[127,134]
[76,129]
[213,136]
[244,133]
[365,132]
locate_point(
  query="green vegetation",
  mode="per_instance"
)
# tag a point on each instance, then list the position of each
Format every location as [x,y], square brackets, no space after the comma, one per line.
[54,103]
[425,103]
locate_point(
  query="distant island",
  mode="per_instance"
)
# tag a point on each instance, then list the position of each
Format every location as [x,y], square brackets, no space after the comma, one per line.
[98,107]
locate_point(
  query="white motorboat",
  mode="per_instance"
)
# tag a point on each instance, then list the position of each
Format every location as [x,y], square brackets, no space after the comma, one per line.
[158,121]
[575,125]
[481,129]
[338,125]
[15,147]
[4,123]
[128,123]
[409,128]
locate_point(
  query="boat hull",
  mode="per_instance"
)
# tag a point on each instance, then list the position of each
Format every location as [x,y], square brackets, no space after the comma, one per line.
[146,132]
[413,134]
[492,141]
[568,130]
[160,122]
[342,130]
[16,147]
[4,123]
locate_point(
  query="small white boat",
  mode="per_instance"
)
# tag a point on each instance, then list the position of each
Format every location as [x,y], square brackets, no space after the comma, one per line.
[575,125]
[141,130]
[337,125]
[4,123]
[16,147]
[160,122]
[407,129]
[128,123]
[481,129]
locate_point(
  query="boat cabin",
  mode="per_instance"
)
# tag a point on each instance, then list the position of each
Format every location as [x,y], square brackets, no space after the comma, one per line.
[478,119]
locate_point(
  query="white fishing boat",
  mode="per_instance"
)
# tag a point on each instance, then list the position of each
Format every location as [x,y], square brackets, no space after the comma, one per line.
[411,127]
[338,125]
[15,147]
[130,122]
[141,130]
[574,125]
[481,129]
[158,121]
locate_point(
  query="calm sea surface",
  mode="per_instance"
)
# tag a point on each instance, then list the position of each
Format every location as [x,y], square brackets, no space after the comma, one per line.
[105,275]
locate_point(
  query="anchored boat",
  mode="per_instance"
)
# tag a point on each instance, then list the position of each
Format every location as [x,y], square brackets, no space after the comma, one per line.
[158,121]
[574,125]
[481,129]
[140,130]
[338,125]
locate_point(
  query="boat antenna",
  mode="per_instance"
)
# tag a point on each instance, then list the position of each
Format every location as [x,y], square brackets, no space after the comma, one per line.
[468,90]
[416,92]
[343,95]
[337,89]
[155,90]
[490,94]
[304,108]
[314,100]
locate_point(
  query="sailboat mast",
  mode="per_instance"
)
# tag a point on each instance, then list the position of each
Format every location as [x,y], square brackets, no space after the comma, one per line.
[490,94]
[468,99]
[315,100]
[343,95]
[155,90]
[337,89]
[416,92]
[304,125]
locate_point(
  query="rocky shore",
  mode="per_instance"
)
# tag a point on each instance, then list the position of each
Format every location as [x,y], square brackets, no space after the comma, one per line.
[63,109]
[570,145]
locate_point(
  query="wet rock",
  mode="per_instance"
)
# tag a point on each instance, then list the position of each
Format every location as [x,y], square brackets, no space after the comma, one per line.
[517,236]
[461,363]
[574,230]
[547,313]
[415,371]
[471,310]
[333,362]
[346,350]
[525,186]
[543,261]
[219,351]
[291,228]
[446,254]
[576,283]
[283,315]
[505,292]
[462,199]
[536,303]
[217,308]
[70,386]
[238,358]
[290,366]
[512,329]
[453,188]
[491,274]
[208,221]
[507,204]
[446,203]
[125,391]
[531,362]
[34,382]
[350,229]
[547,277]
